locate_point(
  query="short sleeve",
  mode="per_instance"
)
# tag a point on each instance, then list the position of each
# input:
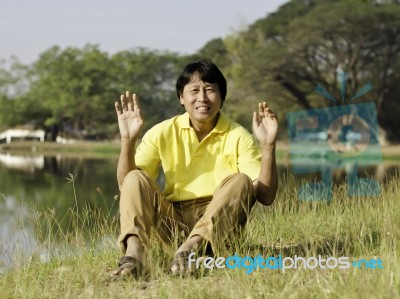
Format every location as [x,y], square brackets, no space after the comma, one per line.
[147,155]
[249,159]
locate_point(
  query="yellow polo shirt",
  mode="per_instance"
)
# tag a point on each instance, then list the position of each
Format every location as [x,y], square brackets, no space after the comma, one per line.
[194,169]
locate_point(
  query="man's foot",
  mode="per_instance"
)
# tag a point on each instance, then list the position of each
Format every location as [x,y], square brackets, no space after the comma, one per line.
[179,265]
[132,264]
[129,267]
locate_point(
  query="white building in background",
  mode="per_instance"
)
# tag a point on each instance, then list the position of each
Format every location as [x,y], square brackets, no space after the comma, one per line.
[9,134]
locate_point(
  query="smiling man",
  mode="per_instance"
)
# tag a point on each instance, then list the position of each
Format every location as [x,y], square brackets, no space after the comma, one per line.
[214,172]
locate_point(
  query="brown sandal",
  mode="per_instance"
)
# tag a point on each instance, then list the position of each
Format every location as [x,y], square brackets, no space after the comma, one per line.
[135,267]
[181,260]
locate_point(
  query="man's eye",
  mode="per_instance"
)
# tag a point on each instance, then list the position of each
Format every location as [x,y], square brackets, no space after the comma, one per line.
[210,90]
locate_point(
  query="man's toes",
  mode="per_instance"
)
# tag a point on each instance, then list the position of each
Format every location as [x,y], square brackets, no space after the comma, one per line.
[122,272]
[175,268]
[126,272]
[116,272]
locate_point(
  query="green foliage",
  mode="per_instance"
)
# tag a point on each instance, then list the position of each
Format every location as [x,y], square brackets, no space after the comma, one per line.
[73,90]
[279,59]
[151,75]
[285,55]
[13,86]
[70,87]
[217,51]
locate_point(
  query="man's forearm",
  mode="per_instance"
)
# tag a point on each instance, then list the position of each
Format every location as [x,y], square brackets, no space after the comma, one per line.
[126,162]
[267,183]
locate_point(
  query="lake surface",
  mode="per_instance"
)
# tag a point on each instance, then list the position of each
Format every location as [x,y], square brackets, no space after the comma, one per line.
[34,184]
[43,184]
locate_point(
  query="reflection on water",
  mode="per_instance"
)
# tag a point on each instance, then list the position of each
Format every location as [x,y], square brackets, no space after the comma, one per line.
[39,183]
[23,163]
[16,240]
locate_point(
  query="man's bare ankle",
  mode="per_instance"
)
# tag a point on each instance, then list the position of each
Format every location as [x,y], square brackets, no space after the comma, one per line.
[196,241]
[192,244]
[134,247]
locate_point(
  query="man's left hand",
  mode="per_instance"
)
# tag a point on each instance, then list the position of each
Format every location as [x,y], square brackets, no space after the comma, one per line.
[265,126]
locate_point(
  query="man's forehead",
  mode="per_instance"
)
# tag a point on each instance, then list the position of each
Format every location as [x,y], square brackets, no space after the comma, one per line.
[197,81]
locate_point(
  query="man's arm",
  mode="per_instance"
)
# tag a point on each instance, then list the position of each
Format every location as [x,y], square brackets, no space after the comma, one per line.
[130,123]
[267,183]
[126,161]
[265,128]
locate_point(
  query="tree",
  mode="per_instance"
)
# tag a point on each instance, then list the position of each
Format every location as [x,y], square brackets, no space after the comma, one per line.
[72,91]
[71,87]
[217,51]
[151,75]
[13,86]
[306,43]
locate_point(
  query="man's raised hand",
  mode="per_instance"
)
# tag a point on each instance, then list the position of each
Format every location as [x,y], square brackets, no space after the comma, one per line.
[130,119]
[265,125]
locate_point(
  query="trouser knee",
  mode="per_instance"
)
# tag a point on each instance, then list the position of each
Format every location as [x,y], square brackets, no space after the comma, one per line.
[242,180]
[134,177]
[239,183]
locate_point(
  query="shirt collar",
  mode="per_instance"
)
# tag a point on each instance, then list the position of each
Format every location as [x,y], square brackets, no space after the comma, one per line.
[183,122]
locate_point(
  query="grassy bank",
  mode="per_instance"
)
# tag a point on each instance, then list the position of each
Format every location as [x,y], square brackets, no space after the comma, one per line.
[106,148]
[53,148]
[347,226]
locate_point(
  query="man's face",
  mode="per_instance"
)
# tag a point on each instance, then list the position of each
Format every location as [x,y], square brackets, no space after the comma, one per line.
[202,100]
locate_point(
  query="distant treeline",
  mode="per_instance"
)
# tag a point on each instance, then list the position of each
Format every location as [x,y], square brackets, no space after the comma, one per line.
[279,59]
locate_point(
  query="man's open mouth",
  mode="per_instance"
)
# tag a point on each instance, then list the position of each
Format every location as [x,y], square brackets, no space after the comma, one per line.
[203,108]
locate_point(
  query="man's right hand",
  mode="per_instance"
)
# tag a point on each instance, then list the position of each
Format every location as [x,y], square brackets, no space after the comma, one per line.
[130,119]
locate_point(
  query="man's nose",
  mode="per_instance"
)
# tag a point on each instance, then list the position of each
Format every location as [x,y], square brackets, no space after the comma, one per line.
[203,96]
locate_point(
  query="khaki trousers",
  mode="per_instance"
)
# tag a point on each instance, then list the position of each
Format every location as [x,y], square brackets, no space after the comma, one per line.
[143,207]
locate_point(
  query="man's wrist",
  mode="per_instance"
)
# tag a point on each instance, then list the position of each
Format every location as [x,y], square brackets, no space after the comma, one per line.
[268,148]
[128,141]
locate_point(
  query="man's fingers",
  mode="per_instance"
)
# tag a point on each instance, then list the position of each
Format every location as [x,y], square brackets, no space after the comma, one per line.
[256,122]
[124,102]
[135,99]
[265,105]
[264,113]
[139,114]
[264,109]
[271,114]
[255,119]
[118,108]
[130,103]
[268,110]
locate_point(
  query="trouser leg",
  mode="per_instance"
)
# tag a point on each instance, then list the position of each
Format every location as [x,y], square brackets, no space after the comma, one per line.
[142,206]
[227,212]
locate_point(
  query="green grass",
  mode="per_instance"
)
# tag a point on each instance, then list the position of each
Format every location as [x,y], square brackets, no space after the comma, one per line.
[81,148]
[353,227]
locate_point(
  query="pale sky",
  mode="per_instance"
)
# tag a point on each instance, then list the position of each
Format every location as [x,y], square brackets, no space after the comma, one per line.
[29,27]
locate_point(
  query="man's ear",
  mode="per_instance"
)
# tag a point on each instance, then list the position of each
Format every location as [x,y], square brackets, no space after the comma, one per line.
[181,100]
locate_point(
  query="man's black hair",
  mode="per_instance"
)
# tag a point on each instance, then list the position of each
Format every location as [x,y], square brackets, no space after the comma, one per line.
[207,72]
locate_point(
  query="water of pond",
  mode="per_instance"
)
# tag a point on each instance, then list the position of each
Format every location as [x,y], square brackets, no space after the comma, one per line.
[41,183]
